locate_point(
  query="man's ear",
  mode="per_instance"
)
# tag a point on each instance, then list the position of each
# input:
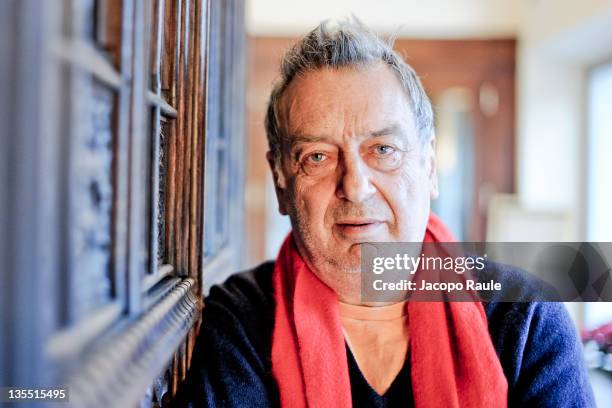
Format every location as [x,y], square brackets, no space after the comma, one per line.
[279,184]
[432,170]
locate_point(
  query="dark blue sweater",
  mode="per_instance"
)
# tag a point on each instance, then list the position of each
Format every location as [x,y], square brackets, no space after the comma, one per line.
[536,343]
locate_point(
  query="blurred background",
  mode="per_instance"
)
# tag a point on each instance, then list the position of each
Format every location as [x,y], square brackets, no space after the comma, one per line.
[522,92]
[133,173]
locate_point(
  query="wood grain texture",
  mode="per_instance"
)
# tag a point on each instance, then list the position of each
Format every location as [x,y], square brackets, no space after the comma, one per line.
[121,80]
[169,69]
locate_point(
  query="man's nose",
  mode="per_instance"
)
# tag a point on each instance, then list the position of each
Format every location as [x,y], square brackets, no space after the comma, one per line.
[355,183]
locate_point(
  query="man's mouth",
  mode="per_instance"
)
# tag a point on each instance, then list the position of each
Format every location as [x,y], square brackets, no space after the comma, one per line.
[357,227]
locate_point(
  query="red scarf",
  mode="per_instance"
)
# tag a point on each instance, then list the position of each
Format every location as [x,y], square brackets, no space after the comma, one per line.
[453,362]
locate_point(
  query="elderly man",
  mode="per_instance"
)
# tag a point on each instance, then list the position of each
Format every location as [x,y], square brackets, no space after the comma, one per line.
[351,139]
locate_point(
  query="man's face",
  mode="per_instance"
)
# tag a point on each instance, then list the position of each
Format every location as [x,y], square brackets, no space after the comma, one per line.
[353,169]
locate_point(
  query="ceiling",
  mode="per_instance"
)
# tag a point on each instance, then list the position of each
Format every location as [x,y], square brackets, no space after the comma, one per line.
[405,18]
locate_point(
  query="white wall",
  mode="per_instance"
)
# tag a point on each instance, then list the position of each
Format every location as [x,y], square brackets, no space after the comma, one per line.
[559,40]
[548,20]
[549,101]
[599,220]
[411,18]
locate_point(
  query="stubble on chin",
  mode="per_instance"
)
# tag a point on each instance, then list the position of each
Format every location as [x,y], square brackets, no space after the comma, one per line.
[324,254]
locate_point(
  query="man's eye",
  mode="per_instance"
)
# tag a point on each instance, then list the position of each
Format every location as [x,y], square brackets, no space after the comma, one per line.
[384,149]
[317,157]
[317,163]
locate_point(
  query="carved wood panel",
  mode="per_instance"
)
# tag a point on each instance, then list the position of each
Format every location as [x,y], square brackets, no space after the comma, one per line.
[124,149]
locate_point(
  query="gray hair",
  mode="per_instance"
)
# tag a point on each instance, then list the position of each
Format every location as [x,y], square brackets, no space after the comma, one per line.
[351,43]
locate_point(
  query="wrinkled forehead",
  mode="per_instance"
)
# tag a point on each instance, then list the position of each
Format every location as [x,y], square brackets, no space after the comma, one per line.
[349,101]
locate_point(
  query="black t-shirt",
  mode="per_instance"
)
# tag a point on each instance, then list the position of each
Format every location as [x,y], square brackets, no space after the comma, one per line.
[363,395]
